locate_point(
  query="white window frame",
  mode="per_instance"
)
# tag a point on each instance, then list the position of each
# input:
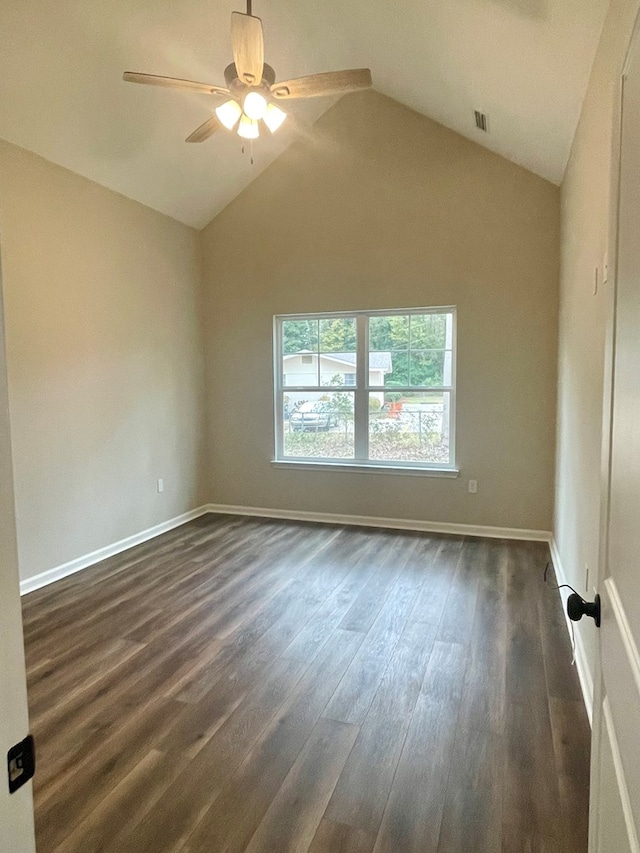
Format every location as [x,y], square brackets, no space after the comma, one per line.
[361,392]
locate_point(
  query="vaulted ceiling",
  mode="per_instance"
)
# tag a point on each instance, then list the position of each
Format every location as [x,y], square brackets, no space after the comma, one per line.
[525,63]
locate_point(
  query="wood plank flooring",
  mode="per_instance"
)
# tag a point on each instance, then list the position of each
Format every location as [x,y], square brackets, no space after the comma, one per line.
[277,687]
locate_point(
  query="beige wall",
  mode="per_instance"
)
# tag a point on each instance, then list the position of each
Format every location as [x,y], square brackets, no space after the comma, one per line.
[104,354]
[583,315]
[105,347]
[391,210]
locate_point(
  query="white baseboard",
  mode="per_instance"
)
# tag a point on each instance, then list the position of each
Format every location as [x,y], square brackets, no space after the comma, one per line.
[393,523]
[58,572]
[584,672]
[62,571]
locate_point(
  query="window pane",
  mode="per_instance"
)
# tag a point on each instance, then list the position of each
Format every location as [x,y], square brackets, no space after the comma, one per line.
[338,368]
[388,333]
[300,369]
[428,331]
[411,427]
[392,370]
[338,335]
[426,368]
[299,335]
[318,425]
[381,366]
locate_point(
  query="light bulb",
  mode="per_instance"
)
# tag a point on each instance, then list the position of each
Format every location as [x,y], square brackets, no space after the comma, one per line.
[229,113]
[248,128]
[274,117]
[255,106]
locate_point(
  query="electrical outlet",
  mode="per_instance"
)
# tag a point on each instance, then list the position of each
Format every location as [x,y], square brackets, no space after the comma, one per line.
[160,485]
[473,486]
[21,763]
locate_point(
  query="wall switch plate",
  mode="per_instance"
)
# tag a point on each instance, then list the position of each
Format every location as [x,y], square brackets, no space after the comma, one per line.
[473,486]
[160,485]
[21,763]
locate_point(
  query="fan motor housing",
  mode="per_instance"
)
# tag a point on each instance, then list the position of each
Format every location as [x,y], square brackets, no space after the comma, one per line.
[231,74]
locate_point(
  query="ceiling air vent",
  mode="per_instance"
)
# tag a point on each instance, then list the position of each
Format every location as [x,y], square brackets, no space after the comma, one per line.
[482,123]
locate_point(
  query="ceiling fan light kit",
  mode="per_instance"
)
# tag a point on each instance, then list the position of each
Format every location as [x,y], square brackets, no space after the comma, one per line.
[228,114]
[255,105]
[274,117]
[248,128]
[251,85]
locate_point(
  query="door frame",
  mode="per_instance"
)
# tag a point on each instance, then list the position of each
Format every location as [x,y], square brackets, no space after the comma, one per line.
[601,727]
[16,810]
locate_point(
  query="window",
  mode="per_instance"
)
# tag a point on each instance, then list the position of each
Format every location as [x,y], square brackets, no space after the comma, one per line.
[374,389]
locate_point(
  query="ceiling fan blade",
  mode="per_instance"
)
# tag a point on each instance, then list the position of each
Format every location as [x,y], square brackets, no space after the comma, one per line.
[174,83]
[207,129]
[248,47]
[318,85]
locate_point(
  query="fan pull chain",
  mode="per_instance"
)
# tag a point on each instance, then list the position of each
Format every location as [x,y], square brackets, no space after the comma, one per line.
[251,150]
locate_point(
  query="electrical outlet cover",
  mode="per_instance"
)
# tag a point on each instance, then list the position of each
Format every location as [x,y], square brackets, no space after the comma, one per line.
[21,763]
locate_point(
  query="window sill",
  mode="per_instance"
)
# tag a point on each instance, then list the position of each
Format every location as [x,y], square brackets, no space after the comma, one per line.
[362,468]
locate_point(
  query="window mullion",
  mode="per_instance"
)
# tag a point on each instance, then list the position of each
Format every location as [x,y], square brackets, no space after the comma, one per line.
[361,425]
[278,390]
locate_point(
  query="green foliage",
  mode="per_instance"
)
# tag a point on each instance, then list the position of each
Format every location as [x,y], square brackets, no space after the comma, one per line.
[331,335]
[416,343]
[299,335]
[341,403]
[411,340]
[336,379]
[374,404]
[338,335]
[388,333]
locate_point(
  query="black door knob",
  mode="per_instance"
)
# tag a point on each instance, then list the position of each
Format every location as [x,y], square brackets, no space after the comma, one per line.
[577,607]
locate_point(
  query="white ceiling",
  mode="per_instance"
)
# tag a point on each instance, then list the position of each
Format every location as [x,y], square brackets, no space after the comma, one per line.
[524,62]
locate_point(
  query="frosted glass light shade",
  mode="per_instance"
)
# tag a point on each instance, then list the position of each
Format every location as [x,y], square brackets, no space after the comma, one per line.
[248,128]
[255,106]
[229,113]
[274,117]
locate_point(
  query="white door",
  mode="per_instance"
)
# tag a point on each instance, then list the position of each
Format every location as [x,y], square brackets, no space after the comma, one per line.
[615,785]
[16,810]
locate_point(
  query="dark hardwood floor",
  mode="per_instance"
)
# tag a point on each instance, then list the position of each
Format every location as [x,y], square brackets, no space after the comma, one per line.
[250,685]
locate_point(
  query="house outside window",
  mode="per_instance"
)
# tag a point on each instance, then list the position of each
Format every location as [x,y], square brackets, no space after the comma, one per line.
[372,389]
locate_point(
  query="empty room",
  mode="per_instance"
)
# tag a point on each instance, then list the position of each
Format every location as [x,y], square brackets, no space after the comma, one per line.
[319,346]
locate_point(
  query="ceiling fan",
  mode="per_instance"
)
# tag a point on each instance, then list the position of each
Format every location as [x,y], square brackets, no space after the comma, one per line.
[252,90]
